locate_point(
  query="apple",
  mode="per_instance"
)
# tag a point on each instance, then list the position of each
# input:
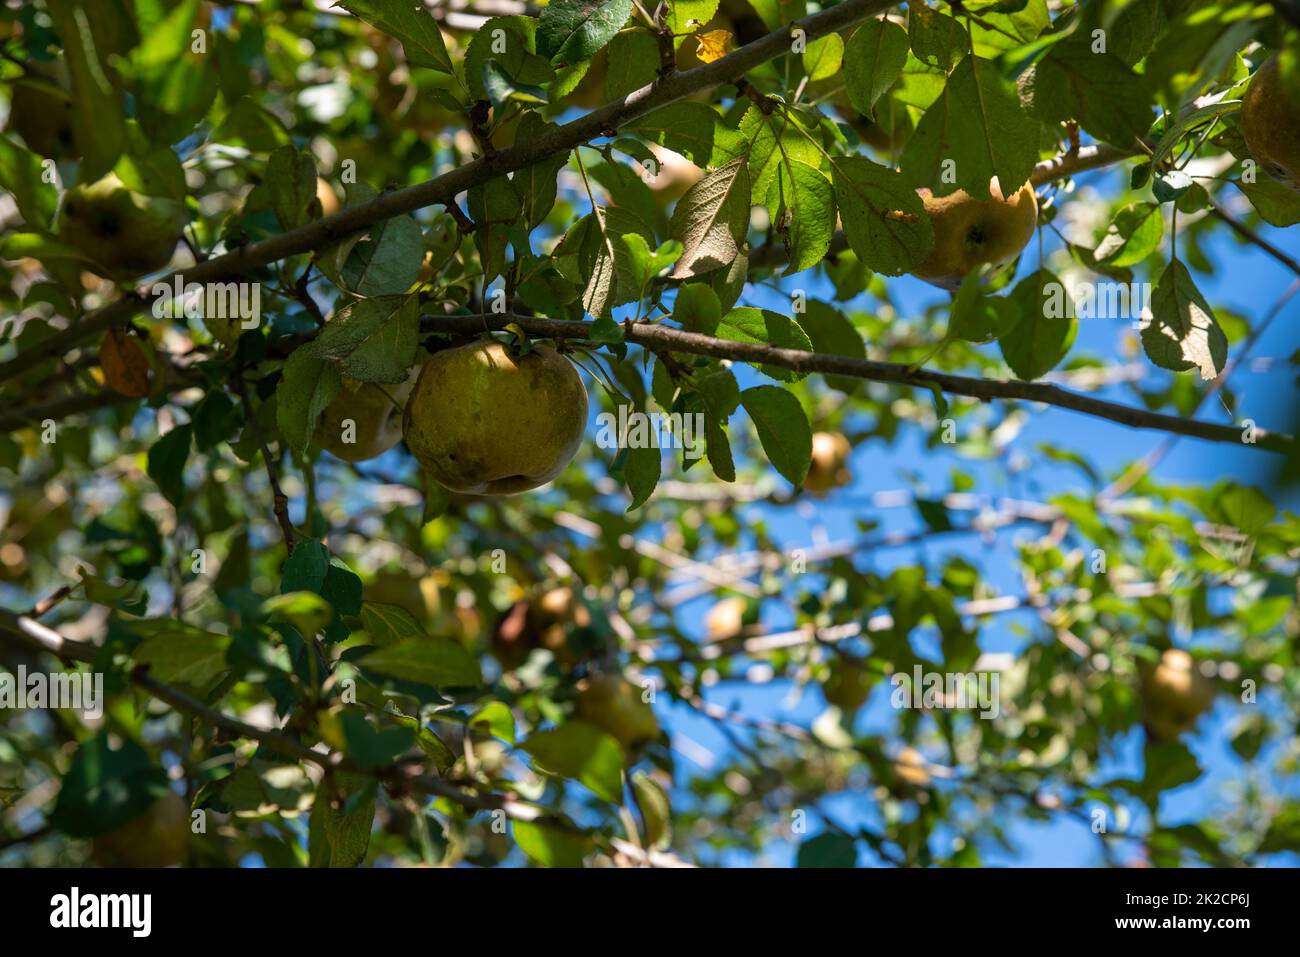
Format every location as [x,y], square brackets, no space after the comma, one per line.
[827,470]
[364,419]
[157,838]
[1174,695]
[1270,122]
[614,704]
[484,421]
[125,233]
[970,232]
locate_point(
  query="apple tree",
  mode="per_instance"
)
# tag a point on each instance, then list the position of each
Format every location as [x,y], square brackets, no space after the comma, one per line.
[616,432]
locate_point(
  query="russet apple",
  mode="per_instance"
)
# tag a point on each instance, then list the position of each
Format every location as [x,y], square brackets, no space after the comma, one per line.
[484,421]
[1174,695]
[123,232]
[848,685]
[614,704]
[157,838]
[828,468]
[726,618]
[1270,122]
[543,621]
[364,420]
[41,113]
[970,232]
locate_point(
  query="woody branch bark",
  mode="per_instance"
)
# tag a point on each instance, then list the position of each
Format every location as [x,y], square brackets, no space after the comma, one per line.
[443,189]
[656,336]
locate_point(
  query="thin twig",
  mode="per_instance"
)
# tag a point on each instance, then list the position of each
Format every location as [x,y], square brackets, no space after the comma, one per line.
[281,501]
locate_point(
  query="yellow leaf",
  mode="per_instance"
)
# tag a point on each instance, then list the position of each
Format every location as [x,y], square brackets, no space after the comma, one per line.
[713,45]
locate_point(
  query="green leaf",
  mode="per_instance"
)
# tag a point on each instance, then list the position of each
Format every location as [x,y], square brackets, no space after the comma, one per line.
[1277,204]
[782,429]
[21,175]
[495,208]
[804,214]
[1133,235]
[748,324]
[250,125]
[496,719]
[1045,330]
[828,850]
[371,746]
[110,782]
[177,653]
[342,588]
[307,386]
[372,340]
[411,23]
[1244,507]
[437,662]
[976,130]
[1099,90]
[936,38]
[1183,333]
[718,448]
[711,220]
[831,332]
[976,316]
[437,498]
[823,58]
[582,752]
[214,420]
[685,16]
[342,817]
[647,263]
[873,60]
[389,624]
[774,141]
[1168,765]
[513,47]
[291,177]
[98,122]
[641,471]
[306,568]
[604,258]
[884,220]
[633,57]
[536,184]
[569,31]
[305,610]
[551,846]
[167,459]
[627,189]
[501,88]
[697,308]
[693,129]
[729,283]
[382,261]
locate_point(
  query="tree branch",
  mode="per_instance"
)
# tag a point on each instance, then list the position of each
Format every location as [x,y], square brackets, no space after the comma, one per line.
[33,634]
[678,340]
[1251,236]
[280,501]
[443,189]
